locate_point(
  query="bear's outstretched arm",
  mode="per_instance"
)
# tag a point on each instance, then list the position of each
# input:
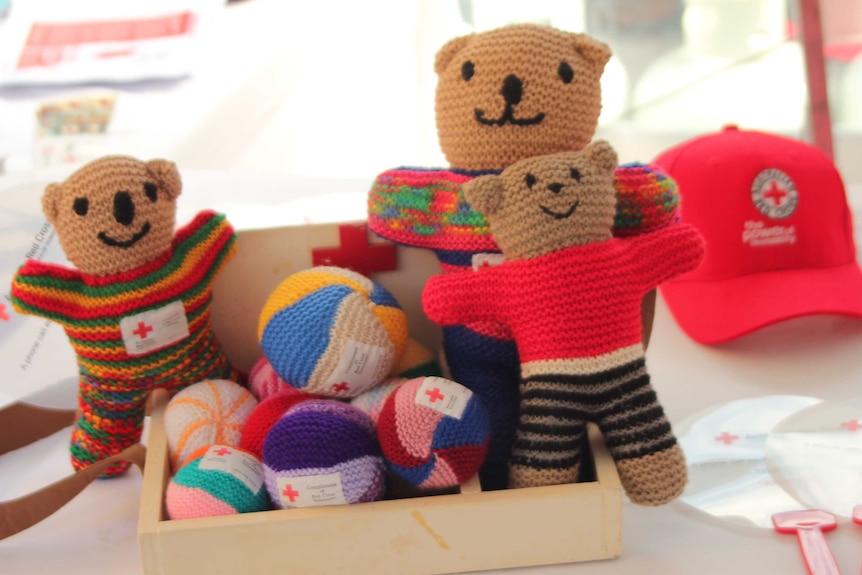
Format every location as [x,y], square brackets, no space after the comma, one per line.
[46,290]
[667,253]
[462,297]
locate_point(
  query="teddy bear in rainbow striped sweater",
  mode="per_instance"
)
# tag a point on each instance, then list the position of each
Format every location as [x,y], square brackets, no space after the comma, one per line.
[137,308]
[570,294]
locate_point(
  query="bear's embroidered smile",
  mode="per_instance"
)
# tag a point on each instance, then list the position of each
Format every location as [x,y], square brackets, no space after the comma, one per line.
[512,91]
[108,240]
[561,215]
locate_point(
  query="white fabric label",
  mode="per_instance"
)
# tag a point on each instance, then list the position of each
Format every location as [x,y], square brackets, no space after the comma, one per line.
[486,260]
[311,491]
[154,329]
[241,465]
[361,365]
[443,395]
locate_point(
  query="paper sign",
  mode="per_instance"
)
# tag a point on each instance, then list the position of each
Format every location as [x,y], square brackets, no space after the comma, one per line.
[311,491]
[239,464]
[361,365]
[485,260]
[443,395]
[154,329]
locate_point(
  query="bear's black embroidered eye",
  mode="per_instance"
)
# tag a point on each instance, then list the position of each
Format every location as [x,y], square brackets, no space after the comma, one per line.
[467,70]
[575,173]
[151,190]
[566,73]
[81,206]
[530,179]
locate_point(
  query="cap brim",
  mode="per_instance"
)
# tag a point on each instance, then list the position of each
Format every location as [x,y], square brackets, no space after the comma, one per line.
[718,311]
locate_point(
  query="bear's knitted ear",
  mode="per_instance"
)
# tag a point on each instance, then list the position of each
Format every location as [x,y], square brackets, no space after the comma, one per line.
[593,50]
[50,201]
[484,194]
[166,176]
[602,155]
[449,50]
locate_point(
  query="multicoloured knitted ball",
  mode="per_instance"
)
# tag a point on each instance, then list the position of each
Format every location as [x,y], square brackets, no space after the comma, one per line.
[208,412]
[223,480]
[323,452]
[416,361]
[264,417]
[332,332]
[433,432]
[647,200]
[263,381]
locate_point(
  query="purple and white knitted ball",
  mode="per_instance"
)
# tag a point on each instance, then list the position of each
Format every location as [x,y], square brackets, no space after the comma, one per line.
[323,452]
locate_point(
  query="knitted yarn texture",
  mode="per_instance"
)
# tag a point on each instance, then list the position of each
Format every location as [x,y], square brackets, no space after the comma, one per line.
[574,313]
[114,383]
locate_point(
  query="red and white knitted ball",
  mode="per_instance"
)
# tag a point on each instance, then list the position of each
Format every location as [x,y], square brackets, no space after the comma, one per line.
[264,382]
[206,413]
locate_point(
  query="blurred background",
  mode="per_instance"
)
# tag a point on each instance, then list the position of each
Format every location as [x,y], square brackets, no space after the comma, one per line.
[343,89]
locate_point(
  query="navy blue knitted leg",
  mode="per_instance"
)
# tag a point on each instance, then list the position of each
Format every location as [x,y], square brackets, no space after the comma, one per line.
[489,367]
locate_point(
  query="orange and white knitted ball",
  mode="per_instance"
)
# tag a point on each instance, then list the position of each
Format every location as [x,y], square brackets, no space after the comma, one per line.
[213,411]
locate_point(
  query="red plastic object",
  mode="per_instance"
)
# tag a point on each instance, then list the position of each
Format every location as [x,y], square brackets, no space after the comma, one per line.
[355,253]
[809,525]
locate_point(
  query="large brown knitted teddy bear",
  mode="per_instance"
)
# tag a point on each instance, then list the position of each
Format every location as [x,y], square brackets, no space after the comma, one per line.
[137,308]
[502,96]
[570,293]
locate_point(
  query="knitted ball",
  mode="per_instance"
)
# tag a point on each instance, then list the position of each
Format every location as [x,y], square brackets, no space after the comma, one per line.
[323,452]
[332,332]
[263,381]
[209,412]
[433,432]
[371,401]
[264,416]
[223,480]
[647,200]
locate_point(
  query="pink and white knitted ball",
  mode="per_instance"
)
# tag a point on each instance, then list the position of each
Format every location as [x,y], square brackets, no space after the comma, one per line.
[213,411]
[372,400]
[263,381]
[219,480]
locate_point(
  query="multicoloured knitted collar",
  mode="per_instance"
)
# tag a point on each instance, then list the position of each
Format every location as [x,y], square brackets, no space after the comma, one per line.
[424,207]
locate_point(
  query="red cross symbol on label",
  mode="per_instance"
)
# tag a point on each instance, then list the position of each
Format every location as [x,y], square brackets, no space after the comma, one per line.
[340,386]
[434,394]
[3,315]
[355,253]
[726,438]
[290,493]
[223,451]
[852,425]
[143,330]
[775,193]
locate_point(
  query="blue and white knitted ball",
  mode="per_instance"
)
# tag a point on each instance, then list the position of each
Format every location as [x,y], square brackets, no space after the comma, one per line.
[323,452]
[332,332]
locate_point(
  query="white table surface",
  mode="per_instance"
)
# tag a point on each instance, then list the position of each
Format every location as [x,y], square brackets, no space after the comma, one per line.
[814,356]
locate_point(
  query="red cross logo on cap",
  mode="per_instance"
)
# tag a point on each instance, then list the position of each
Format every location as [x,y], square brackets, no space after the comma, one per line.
[774,194]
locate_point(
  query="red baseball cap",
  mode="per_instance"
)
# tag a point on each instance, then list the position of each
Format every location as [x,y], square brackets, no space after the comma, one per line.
[778,233]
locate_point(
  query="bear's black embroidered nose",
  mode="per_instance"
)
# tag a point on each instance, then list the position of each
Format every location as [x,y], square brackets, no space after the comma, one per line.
[512,90]
[555,187]
[124,208]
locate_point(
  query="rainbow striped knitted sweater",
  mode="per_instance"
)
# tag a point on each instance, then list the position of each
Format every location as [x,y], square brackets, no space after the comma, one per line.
[134,331]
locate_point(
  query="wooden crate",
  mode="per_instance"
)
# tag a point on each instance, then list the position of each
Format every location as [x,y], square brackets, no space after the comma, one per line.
[467,531]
